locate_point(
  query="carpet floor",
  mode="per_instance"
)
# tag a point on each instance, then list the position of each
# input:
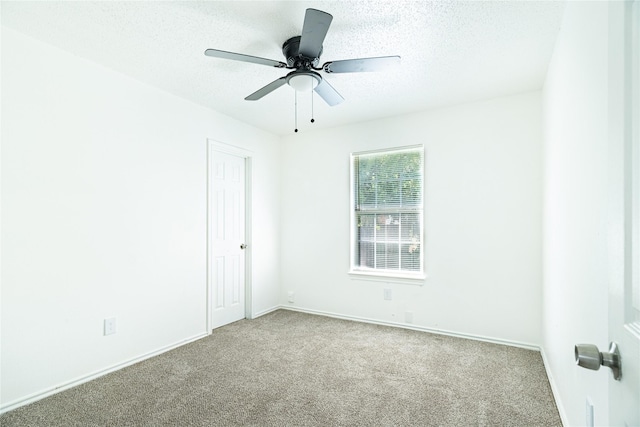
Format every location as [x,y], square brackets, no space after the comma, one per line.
[294,369]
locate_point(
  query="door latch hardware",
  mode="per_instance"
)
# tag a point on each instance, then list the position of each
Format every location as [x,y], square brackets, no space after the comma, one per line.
[588,356]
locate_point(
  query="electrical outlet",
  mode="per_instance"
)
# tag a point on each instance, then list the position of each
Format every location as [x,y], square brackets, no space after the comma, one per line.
[589,413]
[110,326]
[408,317]
[291,297]
[387,294]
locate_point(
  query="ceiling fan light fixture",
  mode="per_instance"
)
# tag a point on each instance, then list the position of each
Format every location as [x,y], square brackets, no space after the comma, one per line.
[303,82]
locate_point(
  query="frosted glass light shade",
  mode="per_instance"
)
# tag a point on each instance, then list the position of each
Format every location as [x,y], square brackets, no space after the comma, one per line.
[303,82]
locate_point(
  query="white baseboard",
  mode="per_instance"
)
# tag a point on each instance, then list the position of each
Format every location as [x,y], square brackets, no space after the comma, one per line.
[81,380]
[267,311]
[554,388]
[519,344]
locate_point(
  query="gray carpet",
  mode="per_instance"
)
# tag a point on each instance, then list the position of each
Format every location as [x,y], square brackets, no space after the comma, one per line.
[294,369]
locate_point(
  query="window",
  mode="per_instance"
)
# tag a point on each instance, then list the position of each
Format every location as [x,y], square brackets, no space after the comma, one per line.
[387,212]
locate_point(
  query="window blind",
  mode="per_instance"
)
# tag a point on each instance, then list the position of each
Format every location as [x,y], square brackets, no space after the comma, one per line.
[387,209]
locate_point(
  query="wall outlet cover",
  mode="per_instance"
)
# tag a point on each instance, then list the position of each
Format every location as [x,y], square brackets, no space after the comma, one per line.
[110,326]
[408,316]
[589,413]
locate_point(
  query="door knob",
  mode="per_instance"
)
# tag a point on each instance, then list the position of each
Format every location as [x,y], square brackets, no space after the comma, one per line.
[243,246]
[588,356]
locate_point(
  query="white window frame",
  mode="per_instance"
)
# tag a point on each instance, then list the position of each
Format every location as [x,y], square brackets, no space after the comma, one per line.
[357,272]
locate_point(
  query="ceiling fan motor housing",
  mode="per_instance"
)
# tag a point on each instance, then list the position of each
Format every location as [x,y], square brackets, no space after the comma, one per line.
[290,49]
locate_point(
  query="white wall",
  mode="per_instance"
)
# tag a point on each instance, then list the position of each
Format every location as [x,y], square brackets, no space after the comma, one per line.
[575,208]
[483,220]
[104,215]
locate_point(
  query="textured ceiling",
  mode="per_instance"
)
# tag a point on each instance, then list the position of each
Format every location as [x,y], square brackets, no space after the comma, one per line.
[451,51]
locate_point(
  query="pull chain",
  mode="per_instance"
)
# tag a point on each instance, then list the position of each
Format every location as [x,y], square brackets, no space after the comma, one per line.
[296,113]
[312,81]
[296,105]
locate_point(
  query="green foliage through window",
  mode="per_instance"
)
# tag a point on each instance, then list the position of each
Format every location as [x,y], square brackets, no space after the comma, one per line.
[388,210]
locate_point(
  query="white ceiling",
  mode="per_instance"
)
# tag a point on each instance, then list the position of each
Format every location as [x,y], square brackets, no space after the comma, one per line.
[452,51]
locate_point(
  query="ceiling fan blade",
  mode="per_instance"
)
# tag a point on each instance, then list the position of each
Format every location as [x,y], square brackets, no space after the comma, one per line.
[314,30]
[267,89]
[361,65]
[328,93]
[244,58]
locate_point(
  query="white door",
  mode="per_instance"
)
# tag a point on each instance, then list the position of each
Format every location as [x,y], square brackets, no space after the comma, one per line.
[227,238]
[624,237]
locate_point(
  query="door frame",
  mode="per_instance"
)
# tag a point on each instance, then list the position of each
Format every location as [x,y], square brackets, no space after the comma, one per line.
[214,146]
[623,167]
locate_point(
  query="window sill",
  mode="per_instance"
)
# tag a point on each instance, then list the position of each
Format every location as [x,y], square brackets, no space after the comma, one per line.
[408,279]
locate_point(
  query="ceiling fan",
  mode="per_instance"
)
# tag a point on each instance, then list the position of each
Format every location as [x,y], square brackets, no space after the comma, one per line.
[303,55]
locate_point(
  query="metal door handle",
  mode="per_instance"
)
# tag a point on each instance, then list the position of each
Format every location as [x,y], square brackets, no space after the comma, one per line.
[243,246]
[588,356]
